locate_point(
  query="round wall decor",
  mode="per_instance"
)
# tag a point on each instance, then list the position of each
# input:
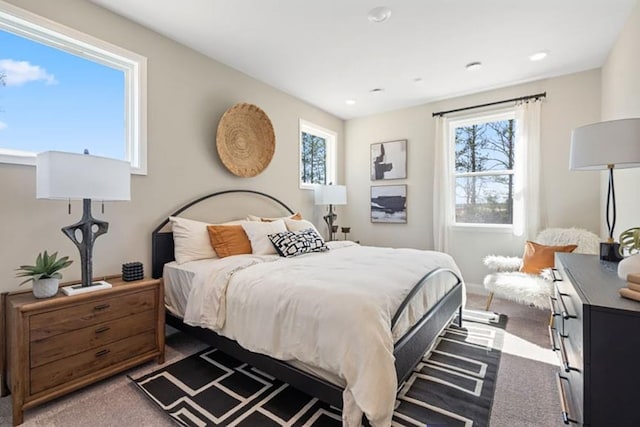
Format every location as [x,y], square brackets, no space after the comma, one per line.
[245,140]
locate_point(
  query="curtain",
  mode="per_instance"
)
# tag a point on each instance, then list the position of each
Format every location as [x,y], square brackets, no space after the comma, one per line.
[442,186]
[526,194]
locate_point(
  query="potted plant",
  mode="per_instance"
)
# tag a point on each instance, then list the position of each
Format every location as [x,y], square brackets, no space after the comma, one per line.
[45,274]
[629,247]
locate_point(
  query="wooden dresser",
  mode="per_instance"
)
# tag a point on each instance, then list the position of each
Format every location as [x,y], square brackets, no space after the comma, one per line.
[596,334]
[57,345]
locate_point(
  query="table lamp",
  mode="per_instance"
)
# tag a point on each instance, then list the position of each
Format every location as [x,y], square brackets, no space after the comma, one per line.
[70,176]
[607,145]
[331,195]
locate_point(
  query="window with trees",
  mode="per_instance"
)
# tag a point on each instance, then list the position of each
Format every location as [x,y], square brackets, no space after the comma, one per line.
[484,168]
[64,90]
[317,155]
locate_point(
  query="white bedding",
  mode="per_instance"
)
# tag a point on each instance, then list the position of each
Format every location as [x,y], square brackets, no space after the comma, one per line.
[302,305]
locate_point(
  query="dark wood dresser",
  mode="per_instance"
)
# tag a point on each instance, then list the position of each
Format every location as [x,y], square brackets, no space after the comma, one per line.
[596,334]
[60,344]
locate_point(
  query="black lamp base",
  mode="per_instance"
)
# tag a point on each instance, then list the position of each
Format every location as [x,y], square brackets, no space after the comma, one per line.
[609,252]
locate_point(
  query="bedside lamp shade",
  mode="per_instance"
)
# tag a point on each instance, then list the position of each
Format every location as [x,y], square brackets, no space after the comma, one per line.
[596,146]
[331,195]
[73,176]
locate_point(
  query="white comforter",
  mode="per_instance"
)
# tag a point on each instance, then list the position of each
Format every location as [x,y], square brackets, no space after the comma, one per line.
[329,310]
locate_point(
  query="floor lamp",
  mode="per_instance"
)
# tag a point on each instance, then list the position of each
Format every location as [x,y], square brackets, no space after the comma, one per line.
[608,145]
[70,176]
[331,195]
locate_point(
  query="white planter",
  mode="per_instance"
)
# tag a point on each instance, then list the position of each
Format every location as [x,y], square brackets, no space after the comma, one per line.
[630,264]
[45,288]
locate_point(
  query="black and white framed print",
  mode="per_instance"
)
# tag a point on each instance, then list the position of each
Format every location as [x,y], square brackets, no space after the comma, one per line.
[389,204]
[389,160]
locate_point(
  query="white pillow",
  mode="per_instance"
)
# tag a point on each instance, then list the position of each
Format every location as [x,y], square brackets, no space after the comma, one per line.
[299,225]
[258,233]
[190,240]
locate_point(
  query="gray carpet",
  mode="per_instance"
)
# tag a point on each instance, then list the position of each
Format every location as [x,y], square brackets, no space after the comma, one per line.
[525,394]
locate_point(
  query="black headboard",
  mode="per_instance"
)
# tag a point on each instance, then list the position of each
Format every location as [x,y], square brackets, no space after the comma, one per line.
[162,250]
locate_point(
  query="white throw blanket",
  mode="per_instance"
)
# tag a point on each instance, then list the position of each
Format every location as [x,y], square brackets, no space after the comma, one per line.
[328,310]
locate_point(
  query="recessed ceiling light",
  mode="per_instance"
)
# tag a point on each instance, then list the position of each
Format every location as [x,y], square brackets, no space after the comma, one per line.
[379,15]
[377,90]
[538,56]
[472,66]
[350,101]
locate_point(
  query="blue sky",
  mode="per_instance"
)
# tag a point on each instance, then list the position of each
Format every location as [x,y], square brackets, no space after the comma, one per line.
[54,100]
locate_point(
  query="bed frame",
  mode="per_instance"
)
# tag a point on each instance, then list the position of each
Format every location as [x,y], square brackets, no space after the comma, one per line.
[408,350]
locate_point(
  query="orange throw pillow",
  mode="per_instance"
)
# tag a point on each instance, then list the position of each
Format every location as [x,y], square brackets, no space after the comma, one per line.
[229,240]
[537,257]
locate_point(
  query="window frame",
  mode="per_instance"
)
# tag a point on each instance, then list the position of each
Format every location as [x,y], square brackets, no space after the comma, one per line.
[134,66]
[331,161]
[468,120]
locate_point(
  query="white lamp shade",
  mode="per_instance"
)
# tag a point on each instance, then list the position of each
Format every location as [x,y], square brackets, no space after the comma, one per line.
[74,176]
[331,195]
[615,142]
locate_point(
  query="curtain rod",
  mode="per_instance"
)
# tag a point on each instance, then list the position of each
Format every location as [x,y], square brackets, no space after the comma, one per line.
[522,98]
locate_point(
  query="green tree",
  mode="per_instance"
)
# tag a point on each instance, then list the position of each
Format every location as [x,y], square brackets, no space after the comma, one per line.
[314,157]
[503,145]
[471,156]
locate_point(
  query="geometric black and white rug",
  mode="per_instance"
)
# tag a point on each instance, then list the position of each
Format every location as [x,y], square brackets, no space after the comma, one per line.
[453,385]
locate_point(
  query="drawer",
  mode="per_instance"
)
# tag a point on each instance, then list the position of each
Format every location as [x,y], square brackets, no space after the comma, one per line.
[69,343]
[89,362]
[80,316]
[570,322]
[570,402]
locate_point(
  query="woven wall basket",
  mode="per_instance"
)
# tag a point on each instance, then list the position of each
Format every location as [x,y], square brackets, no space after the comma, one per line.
[245,140]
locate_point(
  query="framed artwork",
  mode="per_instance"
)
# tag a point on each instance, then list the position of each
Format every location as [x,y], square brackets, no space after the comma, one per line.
[389,160]
[389,204]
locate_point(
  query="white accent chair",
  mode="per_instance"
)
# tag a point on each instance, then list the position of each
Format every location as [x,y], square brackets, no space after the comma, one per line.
[506,281]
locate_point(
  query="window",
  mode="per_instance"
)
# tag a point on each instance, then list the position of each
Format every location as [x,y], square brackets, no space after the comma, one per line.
[317,155]
[64,90]
[484,169]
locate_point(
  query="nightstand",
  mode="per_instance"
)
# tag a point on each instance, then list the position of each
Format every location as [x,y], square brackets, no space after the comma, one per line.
[60,344]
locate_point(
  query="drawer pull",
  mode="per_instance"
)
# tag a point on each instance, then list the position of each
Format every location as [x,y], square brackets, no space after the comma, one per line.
[102,329]
[552,338]
[566,417]
[565,313]
[101,307]
[556,276]
[552,304]
[103,352]
[565,359]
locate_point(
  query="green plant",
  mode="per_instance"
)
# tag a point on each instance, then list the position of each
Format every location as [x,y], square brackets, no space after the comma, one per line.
[47,267]
[630,240]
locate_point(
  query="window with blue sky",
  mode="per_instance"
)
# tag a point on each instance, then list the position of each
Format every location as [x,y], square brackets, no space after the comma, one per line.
[55,100]
[65,90]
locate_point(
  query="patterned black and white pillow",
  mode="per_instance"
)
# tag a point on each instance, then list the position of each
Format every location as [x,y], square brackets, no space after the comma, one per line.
[293,243]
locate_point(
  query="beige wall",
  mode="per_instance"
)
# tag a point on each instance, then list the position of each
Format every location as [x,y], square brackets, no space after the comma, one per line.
[569,198]
[621,99]
[187,95]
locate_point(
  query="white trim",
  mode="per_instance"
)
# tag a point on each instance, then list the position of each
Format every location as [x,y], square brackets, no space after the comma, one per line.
[331,162]
[42,30]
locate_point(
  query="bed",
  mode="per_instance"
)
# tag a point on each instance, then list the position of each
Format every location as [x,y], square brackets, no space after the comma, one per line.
[239,305]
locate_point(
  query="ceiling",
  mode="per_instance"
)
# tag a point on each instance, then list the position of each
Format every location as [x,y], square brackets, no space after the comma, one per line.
[327,51]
